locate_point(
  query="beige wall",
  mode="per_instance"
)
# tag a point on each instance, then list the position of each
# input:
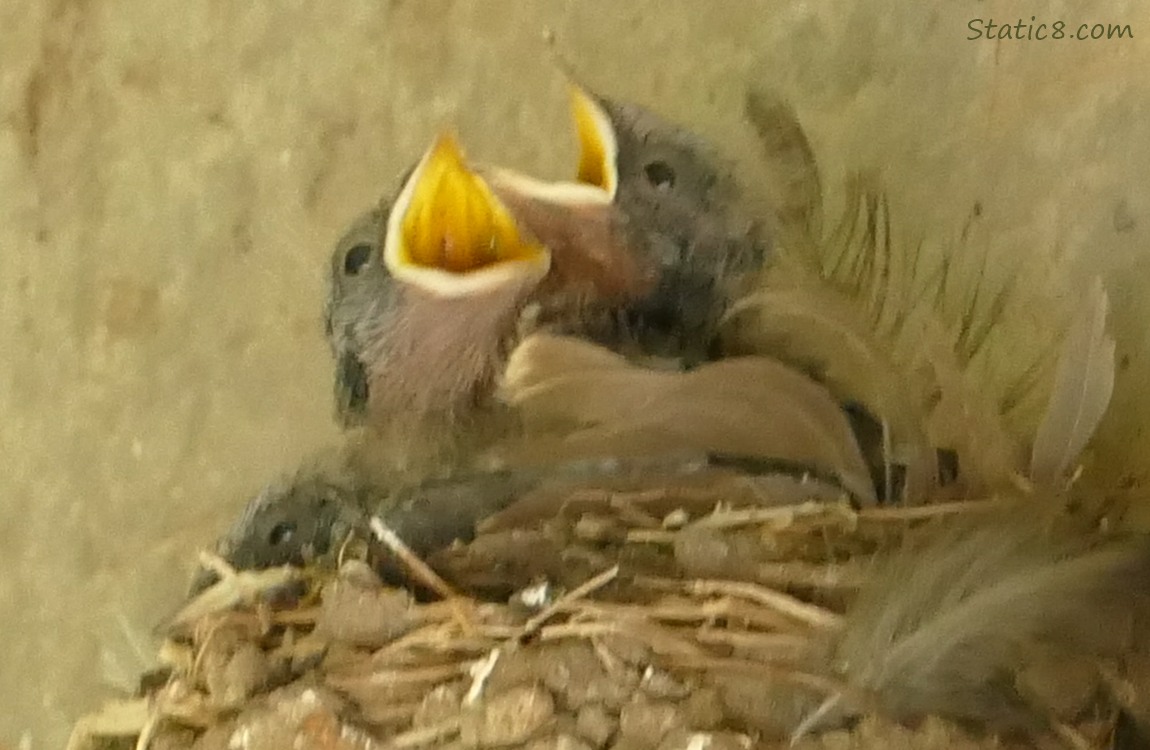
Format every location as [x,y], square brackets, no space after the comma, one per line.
[172,173]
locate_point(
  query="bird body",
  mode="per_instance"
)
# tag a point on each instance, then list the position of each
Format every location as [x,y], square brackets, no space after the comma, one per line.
[427,295]
[643,254]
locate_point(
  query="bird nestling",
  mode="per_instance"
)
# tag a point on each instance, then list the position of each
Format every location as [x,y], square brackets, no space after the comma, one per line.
[430,292]
[309,517]
[422,319]
[304,518]
[684,209]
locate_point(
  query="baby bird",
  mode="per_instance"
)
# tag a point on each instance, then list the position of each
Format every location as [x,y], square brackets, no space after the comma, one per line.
[427,294]
[684,207]
[642,254]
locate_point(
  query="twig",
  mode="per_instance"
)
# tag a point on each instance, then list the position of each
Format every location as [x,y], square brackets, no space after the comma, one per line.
[248,620]
[610,662]
[920,512]
[725,519]
[673,611]
[174,701]
[780,646]
[790,606]
[480,671]
[760,669]
[439,637]
[148,731]
[413,675]
[788,513]
[425,735]
[834,576]
[651,536]
[115,719]
[649,633]
[565,601]
[633,515]
[441,611]
[421,570]
[202,647]
[177,656]
[233,588]
[216,564]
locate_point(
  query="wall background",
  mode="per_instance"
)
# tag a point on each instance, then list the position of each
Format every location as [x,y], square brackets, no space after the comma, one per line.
[173,173]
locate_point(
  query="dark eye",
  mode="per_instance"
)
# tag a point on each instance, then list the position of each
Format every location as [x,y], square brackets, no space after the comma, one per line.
[356,258]
[660,174]
[281,533]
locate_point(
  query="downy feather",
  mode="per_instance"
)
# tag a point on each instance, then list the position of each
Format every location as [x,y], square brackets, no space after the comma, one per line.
[943,627]
[1083,384]
[896,326]
[792,185]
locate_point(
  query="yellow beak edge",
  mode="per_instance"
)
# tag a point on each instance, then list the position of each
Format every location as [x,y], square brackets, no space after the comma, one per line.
[449,233]
[598,147]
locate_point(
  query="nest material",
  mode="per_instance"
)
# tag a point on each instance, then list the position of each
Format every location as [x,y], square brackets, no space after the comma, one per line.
[629,627]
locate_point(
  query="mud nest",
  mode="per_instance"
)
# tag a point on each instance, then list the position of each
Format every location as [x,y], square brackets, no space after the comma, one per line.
[652,619]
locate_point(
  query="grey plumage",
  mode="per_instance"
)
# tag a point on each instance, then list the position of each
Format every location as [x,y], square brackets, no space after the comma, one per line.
[793,185]
[651,277]
[304,518]
[682,201]
[295,519]
[357,290]
[435,374]
[944,627]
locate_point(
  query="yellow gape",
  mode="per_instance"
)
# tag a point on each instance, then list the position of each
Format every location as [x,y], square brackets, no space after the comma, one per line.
[597,145]
[450,234]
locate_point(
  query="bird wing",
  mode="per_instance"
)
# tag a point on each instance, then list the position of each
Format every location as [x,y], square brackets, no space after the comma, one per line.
[578,400]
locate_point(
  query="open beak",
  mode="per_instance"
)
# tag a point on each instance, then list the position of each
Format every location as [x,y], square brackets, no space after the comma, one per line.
[451,235]
[598,146]
[596,178]
[591,240]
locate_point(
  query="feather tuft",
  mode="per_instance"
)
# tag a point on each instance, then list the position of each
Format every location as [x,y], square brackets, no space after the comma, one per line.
[896,326]
[945,624]
[1083,384]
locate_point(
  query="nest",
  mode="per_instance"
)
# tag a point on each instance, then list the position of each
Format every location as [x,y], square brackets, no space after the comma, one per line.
[652,618]
[669,616]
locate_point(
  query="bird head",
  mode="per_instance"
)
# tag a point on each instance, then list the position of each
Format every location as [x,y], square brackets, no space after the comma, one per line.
[686,213]
[428,292]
